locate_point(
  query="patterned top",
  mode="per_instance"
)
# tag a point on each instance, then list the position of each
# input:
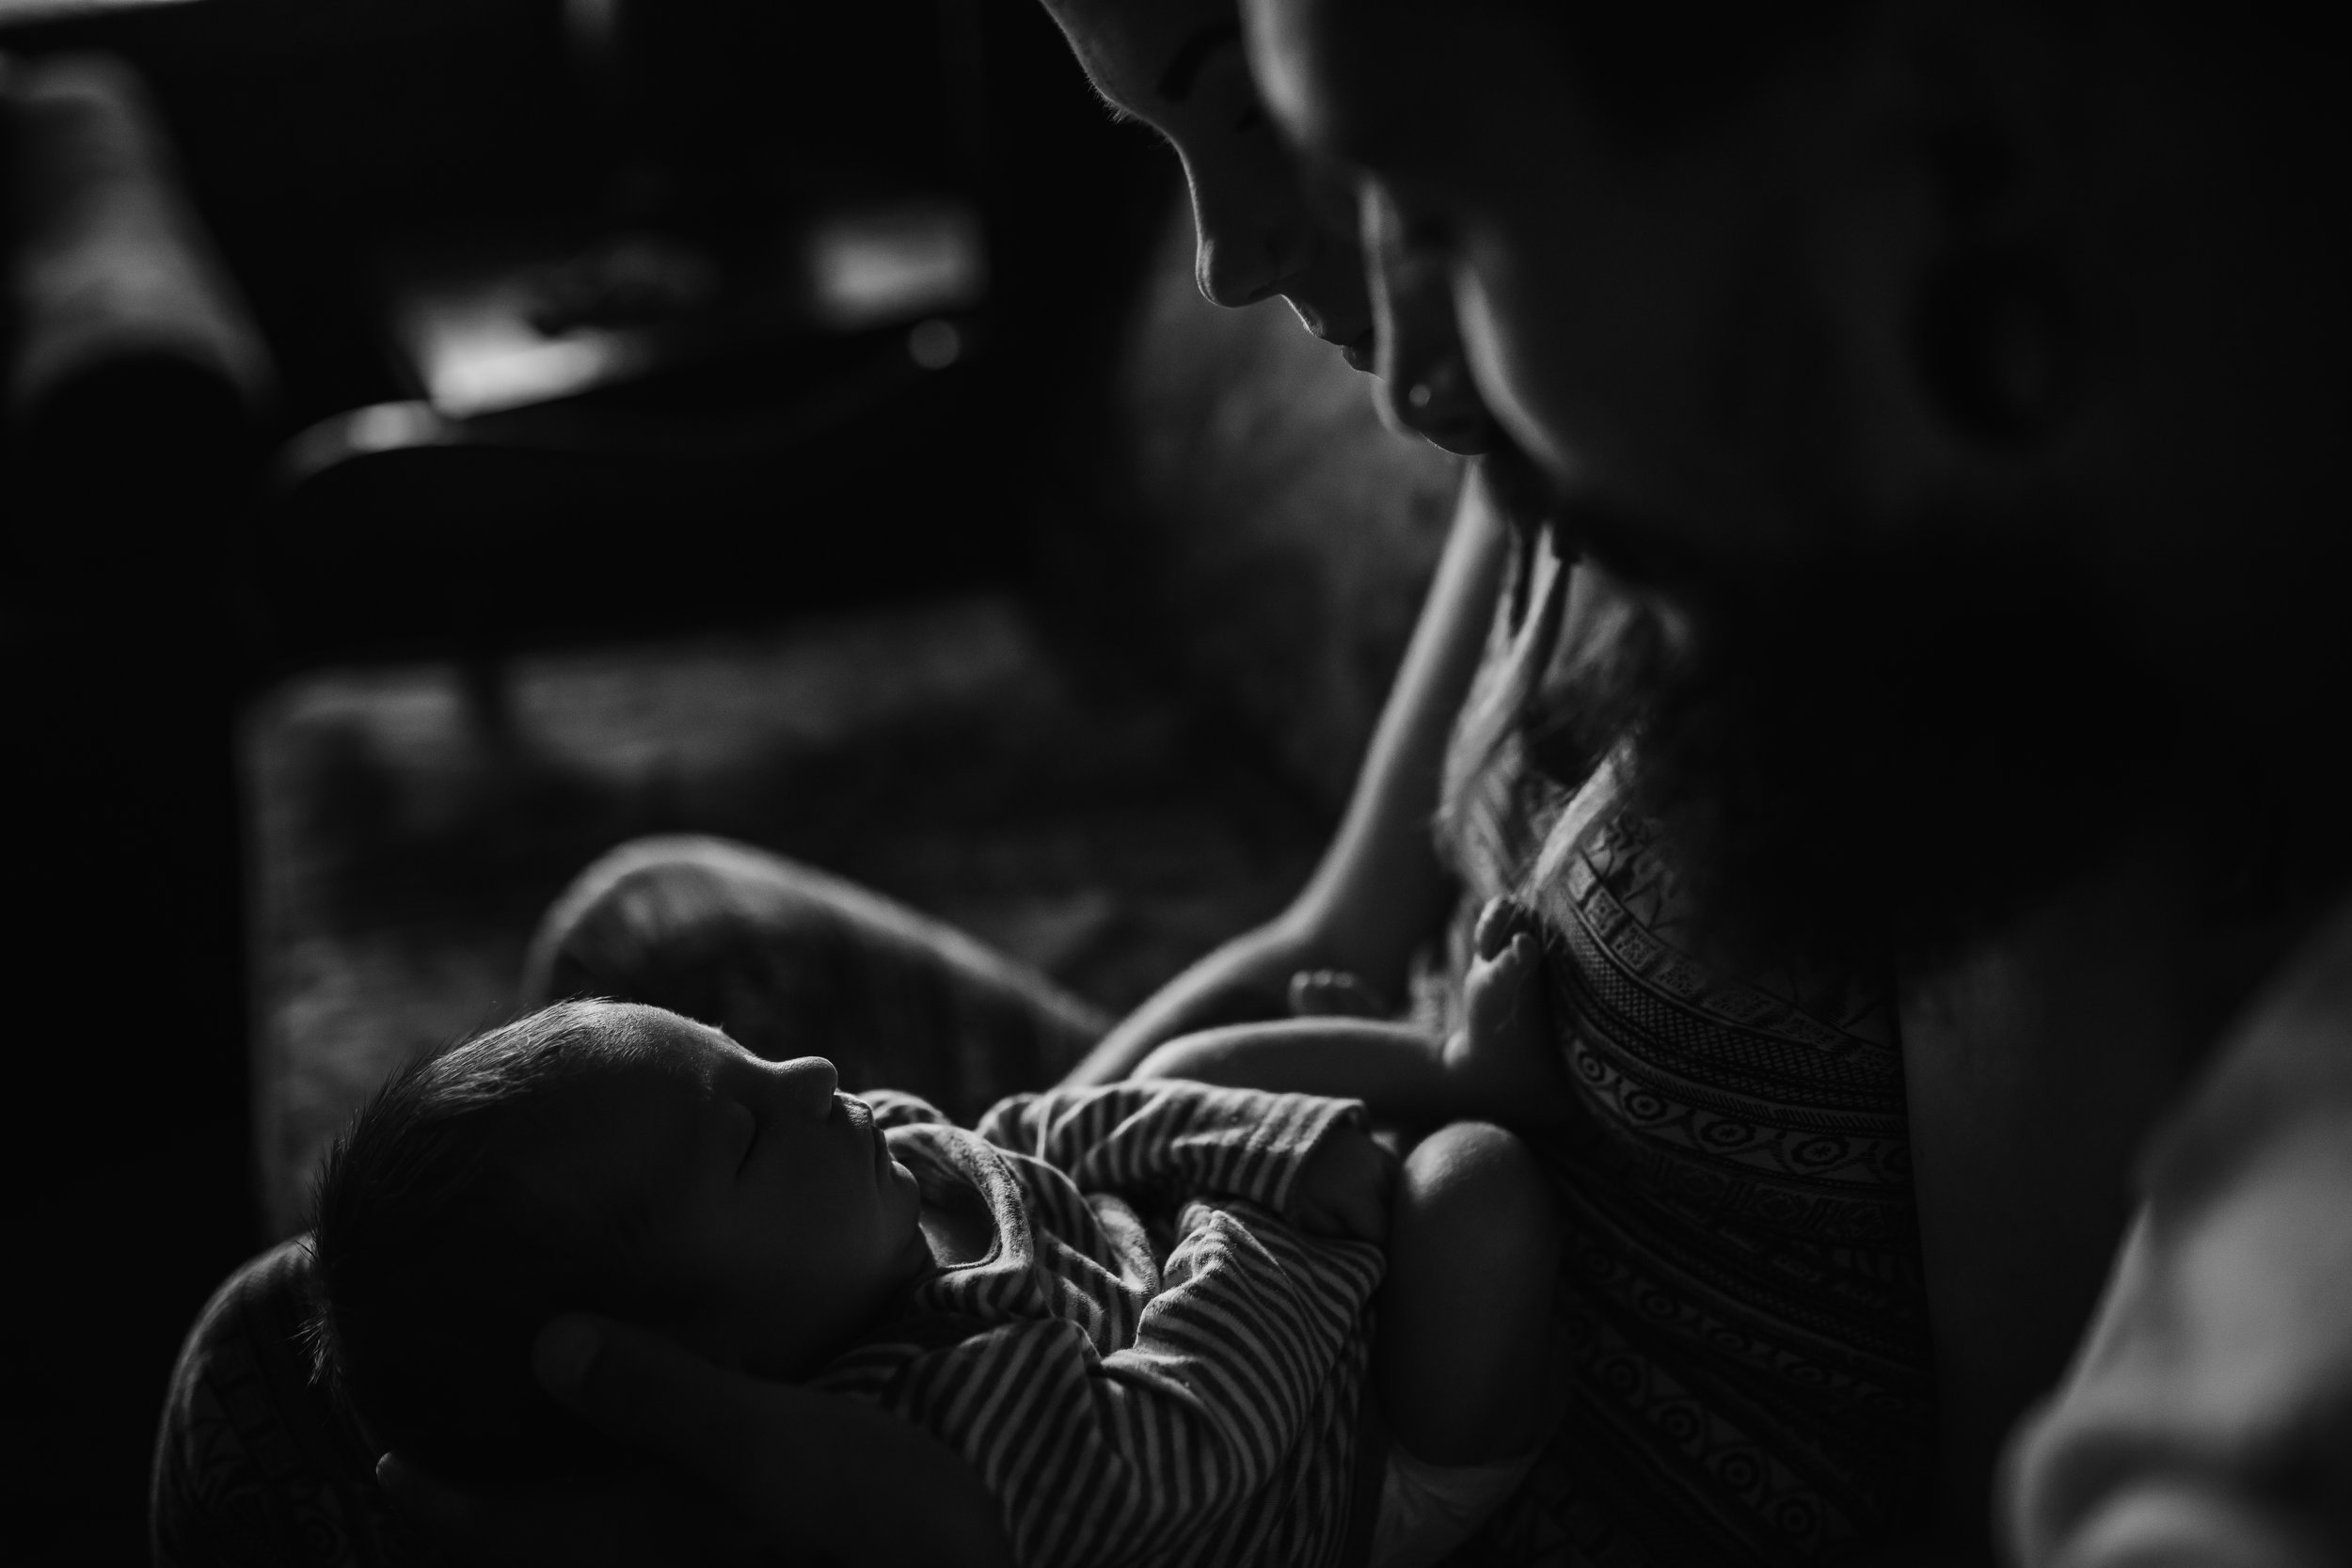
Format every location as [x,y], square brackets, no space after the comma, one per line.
[1149,1365]
[1741,1295]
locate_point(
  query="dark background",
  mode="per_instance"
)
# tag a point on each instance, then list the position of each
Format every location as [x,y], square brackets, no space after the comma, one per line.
[149,589]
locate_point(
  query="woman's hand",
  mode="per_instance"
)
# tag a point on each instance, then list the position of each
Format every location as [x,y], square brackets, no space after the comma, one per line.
[752,1471]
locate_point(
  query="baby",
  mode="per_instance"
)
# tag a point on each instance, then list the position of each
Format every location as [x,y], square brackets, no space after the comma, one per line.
[1142,1312]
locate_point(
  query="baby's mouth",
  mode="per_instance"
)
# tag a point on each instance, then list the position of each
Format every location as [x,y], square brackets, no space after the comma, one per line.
[862,1115]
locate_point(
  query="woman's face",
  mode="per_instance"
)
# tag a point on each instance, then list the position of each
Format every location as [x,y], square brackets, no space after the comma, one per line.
[1267,224]
[1639,322]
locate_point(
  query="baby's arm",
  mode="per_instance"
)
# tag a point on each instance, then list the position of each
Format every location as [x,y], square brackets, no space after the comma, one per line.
[1176,1140]
[1504,1064]
[1104,1459]
[1099,1456]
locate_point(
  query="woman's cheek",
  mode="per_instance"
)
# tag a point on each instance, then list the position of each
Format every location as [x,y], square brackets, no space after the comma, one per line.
[1522,387]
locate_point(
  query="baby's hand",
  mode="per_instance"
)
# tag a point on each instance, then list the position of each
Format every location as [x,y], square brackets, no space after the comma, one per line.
[1506,1047]
[1344,1189]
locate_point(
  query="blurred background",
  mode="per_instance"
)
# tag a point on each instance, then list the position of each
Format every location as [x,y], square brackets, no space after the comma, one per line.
[445,437]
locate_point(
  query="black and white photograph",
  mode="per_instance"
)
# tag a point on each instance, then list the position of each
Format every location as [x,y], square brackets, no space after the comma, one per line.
[1176,783]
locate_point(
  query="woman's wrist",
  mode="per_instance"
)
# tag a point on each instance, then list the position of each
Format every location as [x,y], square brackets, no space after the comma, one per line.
[1246,981]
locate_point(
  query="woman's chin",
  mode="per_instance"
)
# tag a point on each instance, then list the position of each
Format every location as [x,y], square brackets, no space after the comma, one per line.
[1467,439]
[1470,435]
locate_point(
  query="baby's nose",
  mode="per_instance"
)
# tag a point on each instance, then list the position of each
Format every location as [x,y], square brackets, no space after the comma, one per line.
[815,1080]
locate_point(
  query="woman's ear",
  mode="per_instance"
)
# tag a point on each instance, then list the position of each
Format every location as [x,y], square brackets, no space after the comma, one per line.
[1949,231]
[1996,342]
[1995,336]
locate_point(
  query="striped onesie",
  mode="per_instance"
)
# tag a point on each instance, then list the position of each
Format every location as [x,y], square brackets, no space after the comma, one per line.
[1150,1364]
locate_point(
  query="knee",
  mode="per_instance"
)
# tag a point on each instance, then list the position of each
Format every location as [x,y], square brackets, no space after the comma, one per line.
[645,907]
[1479,1185]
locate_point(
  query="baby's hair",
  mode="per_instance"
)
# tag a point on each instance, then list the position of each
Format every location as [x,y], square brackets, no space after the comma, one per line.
[437,1259]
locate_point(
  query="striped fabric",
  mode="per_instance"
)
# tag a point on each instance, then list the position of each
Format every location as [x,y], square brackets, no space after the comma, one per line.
[1150,1365]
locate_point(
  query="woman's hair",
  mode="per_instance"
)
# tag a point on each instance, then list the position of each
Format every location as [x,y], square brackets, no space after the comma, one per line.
[1555,691]
[436,1261]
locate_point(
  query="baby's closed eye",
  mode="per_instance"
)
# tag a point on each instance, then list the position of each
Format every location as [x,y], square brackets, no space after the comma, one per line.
[750,1137]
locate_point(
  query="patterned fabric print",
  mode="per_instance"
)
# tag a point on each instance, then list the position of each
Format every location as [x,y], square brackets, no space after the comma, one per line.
[1200,1410]
[1740,1293]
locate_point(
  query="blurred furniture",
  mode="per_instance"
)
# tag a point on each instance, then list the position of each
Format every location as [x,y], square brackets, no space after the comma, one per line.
[748,375]
[852,475]
[135,388]
[135,380]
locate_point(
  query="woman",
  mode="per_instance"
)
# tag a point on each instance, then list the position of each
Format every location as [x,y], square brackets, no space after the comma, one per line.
[1963,383]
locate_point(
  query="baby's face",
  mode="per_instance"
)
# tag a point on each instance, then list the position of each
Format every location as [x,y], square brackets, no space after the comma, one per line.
[772,1197]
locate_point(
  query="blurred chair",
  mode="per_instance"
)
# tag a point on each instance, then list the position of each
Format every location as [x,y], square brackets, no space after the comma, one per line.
[130,382]
[136,379]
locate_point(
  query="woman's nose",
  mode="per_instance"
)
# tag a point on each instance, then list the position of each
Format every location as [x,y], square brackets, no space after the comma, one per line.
[1253,233]
[1242,269]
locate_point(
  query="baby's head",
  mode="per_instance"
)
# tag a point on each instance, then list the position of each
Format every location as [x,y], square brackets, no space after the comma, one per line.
[602,1157]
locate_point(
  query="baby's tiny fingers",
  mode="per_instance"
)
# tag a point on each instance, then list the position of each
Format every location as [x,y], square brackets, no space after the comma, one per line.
[1502,916]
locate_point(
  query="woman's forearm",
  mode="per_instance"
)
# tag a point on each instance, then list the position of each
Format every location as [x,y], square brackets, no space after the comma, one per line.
[1246,980]
[1380,890]
[1396,1070]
